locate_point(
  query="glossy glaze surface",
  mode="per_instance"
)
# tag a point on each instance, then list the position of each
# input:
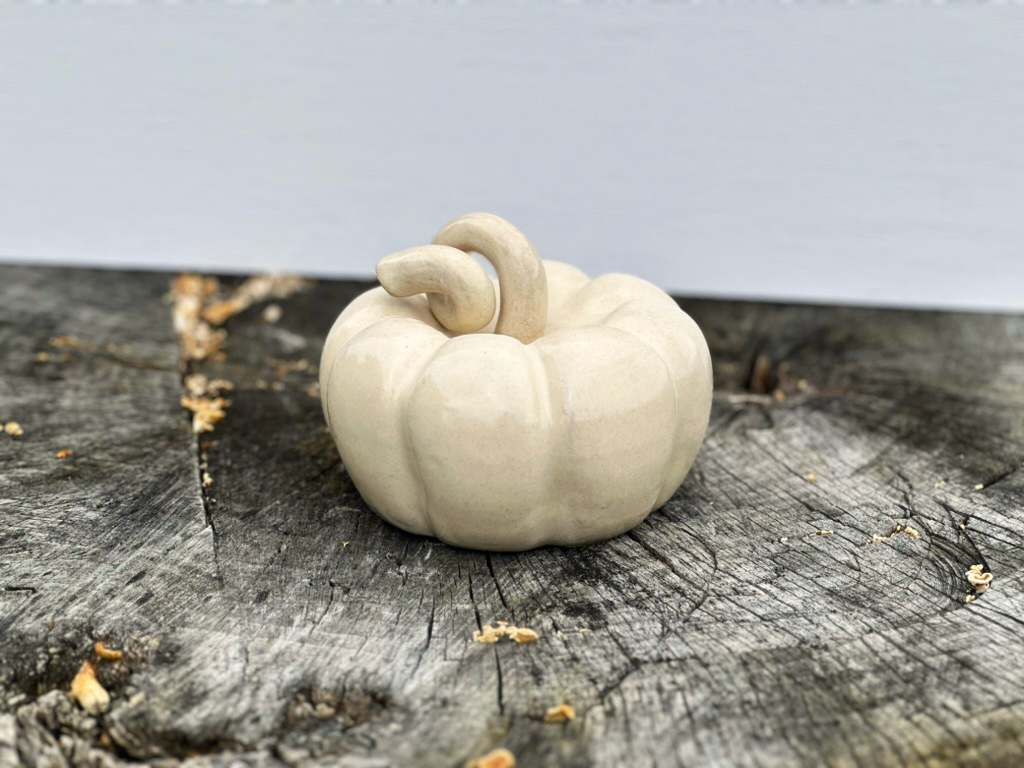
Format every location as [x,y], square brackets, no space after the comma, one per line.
[491,443]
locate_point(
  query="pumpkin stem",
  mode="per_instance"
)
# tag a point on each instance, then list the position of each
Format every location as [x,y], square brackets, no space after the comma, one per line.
[522,281]
[459,292]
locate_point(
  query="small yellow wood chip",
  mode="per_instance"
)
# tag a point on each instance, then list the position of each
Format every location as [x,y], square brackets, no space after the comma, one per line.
[563,713]
[523,635]
[108,653]
[13,429]
[88,692]
[499,758]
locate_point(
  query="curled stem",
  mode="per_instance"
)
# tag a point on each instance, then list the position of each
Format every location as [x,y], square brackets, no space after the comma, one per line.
[459,292]
[522,281]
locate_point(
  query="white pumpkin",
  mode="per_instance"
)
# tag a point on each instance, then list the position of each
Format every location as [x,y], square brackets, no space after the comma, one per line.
[562,413]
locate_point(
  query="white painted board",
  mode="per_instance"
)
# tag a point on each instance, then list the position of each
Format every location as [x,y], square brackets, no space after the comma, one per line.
[822,151]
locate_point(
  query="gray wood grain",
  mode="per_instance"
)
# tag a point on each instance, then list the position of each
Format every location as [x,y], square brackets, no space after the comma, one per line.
[272,619]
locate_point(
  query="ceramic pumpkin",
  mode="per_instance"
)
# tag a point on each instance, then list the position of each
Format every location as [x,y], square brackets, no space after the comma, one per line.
[540,408]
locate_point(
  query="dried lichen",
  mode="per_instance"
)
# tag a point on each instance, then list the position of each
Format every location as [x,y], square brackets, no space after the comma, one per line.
[978,578]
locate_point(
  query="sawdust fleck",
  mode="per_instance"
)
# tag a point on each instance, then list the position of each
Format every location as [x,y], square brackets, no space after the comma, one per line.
[499,758]
[109,654]
[88,692]
[563,713]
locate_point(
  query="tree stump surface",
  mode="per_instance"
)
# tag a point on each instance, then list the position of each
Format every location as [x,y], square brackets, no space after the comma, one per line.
[802,599]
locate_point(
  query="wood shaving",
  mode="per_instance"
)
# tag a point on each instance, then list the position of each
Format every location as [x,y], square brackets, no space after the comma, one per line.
[563,713]
[88,692]
[272,313]
[499,758]
[489,634]
[206,412]
[65,341]
[252,291]
[13,429]
[109,654]
[284,367]
[523,635]
[198,385]
[980,581]
[198,340]
[897,529]
[63,453]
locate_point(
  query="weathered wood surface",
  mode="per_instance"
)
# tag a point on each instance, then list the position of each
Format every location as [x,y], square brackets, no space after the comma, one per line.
[272,619]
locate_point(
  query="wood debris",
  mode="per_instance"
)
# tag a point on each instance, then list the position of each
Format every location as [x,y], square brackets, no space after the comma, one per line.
[272,313]
[88,692]
[252,291]
[491,634]
[198,385]
[284,367]
[197,338]
[563,713]
[63,453]
[897,529]
[206,411]
[499,758]
[62,342]
[108,654]
[980,581]
[13,429]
